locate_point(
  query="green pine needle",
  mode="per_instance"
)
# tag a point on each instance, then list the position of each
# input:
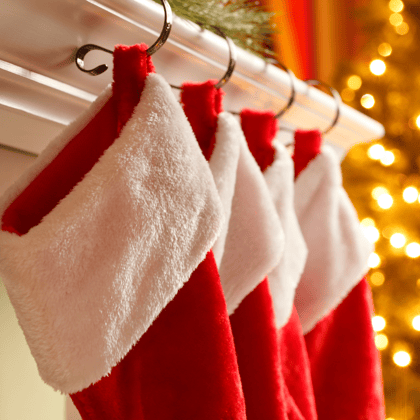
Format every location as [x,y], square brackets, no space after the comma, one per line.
[245,22]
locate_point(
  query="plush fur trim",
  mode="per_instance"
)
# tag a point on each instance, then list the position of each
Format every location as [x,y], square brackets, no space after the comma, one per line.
[284,279]
[89,280]
[224,166]
[252,239]
[338,249]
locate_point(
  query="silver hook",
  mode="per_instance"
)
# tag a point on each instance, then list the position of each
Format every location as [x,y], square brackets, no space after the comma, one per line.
[83,50]
[292,86]
[233,54]
[337,98]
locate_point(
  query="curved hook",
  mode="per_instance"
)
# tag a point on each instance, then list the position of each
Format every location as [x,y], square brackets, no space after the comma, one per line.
[337,98]
[232,59]
[292,93]
[166,30]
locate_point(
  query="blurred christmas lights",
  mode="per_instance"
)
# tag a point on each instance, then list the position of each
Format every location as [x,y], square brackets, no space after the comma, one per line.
[397,240]
[388,158]
[371,233]
[416,323]
[385,49]
[376,151]
[354,82]
[367,101]
[377,67]
[381,341]
[378,323]
[410,194]
[413,250]
[374,260]
[401,358]
[396,5]
[367,221]
[402,29]
[385,201]
[396,19]
[378,192]
[377,278]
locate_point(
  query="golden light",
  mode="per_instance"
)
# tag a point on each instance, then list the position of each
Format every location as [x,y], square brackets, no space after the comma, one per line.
[378,191]
[377,67]
[418,121]
[385,49]
[378,323]
[410,194]
[381,341]
[367,221]
[377,278]
[347,94]
[416,323]
[402,29]
[354,82]
[376,152]
[413,250]
[385,201]
[374,260]
[388,158]
[398,240]
[371,233]
[367,101]
[396,5]
[396,19]
[402,358]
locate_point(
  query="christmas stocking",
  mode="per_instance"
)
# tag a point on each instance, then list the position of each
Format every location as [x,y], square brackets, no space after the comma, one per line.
[260,128]
[105,254]
[335,307]
[250,246]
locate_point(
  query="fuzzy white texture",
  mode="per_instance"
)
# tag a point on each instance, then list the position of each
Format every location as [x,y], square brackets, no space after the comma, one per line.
[338,251]
[252,239]
[88,281]
[284,279]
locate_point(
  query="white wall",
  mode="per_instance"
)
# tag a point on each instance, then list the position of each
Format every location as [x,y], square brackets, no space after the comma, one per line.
[23,395]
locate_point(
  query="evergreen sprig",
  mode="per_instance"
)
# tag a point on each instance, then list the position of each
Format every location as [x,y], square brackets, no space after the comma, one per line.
[244,21]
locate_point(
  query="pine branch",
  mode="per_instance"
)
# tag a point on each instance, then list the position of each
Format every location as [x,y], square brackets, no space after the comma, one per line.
[245,22]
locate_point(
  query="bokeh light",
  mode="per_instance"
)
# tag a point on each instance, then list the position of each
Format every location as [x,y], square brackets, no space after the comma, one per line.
[385,49]
[376,152]
[378,323]
[381,341]
[377,278]
[396,19]
[377,67]
[413,250]
[401,358]
[416,323]
[367,101]
[374,260]
[378,191]
[398,240]
[388,158]
[410,194]
[385,201]
[371,233]
[354,82]
[396,5]
[402,29]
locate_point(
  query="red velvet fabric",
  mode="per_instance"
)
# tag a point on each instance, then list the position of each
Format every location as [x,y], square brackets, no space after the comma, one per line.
[345,363]
[184,366]
[260,129]
[202,104]
[253,322]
